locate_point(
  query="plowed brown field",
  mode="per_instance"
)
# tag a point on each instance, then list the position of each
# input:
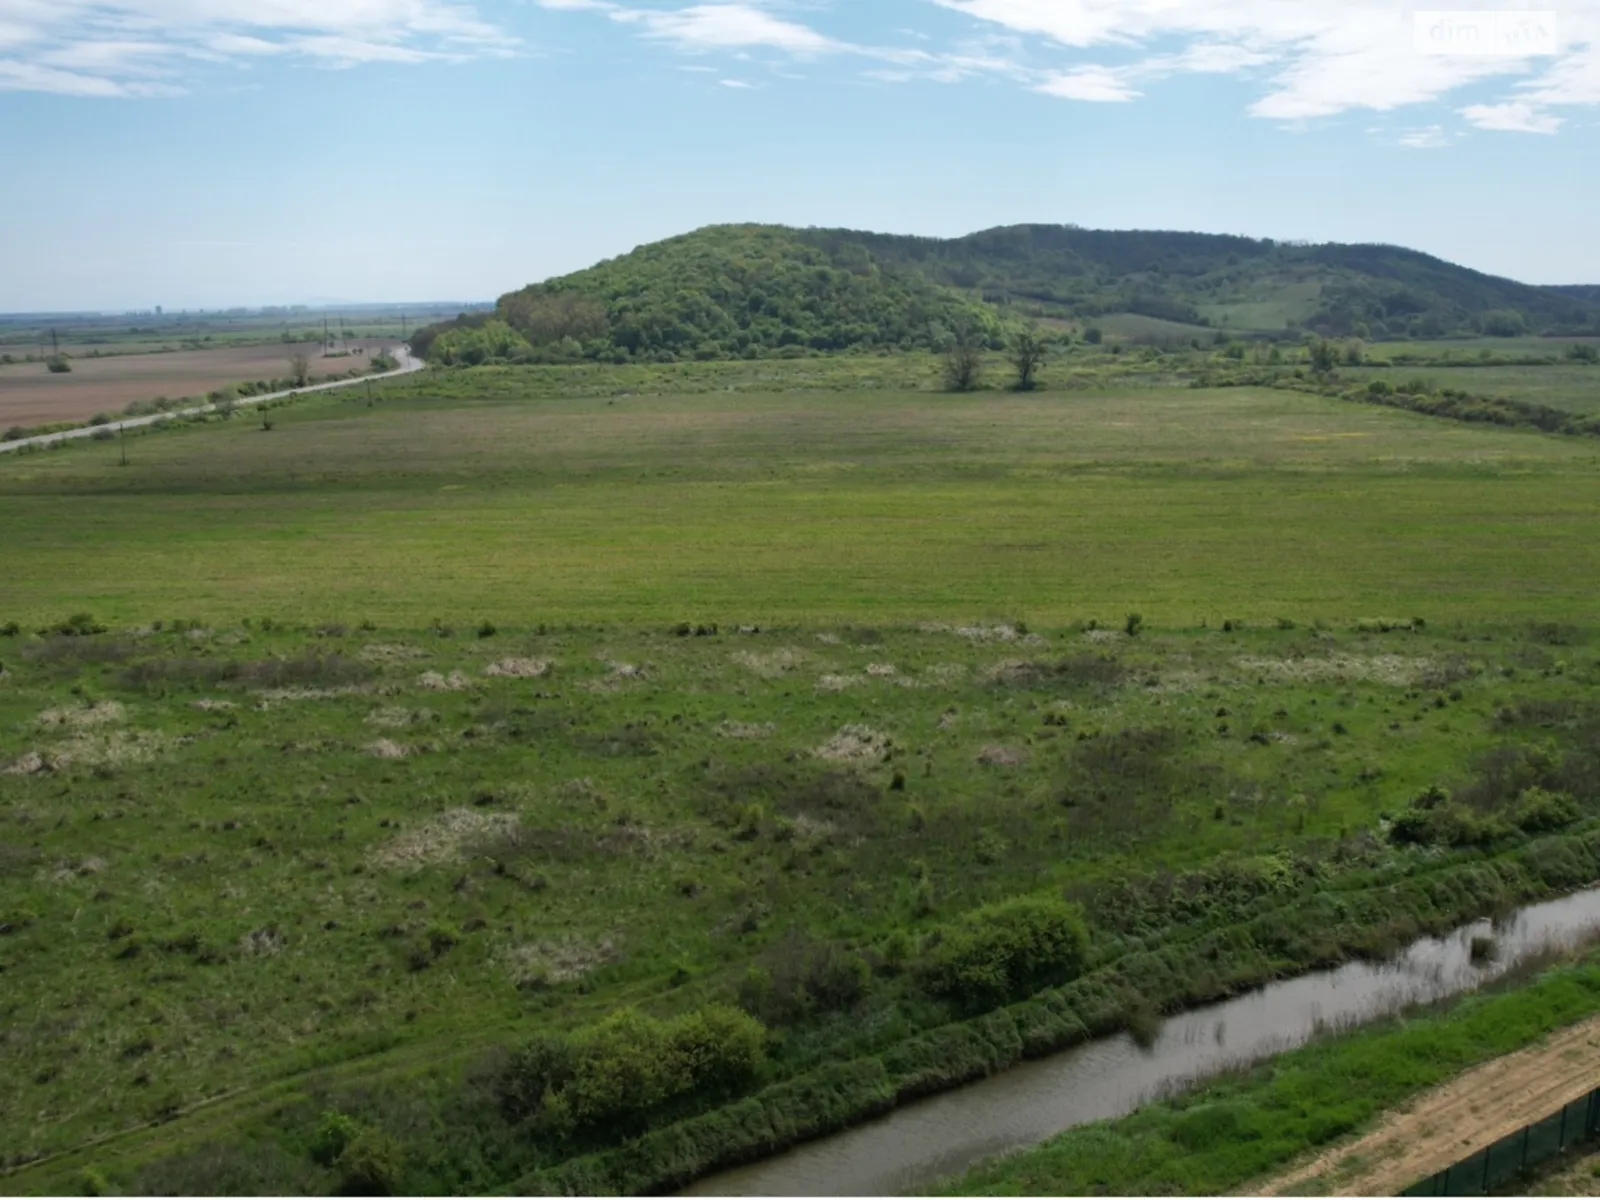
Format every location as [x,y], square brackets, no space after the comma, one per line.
[31,395]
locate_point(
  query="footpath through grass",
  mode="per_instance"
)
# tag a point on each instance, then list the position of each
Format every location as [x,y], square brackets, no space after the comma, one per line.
[1232,1131]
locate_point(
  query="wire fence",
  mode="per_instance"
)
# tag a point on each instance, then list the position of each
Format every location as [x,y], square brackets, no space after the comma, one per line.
[1529,1146]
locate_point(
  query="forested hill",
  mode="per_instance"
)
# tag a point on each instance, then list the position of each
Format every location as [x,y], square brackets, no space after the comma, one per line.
[756,290]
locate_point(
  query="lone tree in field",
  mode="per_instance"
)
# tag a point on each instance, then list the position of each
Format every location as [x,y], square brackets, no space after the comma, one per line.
[300,369]
[963,362]
[1325,357]
[1028,353]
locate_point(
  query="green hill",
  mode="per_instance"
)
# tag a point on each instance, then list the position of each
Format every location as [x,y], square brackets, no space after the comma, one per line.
[757,290]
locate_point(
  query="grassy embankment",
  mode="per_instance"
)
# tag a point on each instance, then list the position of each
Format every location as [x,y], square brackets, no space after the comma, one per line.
[1229,1133]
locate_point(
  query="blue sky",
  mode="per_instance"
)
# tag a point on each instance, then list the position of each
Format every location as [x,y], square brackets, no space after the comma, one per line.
[203,153]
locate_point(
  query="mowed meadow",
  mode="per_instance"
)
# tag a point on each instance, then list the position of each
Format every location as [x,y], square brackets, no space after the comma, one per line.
[489,494]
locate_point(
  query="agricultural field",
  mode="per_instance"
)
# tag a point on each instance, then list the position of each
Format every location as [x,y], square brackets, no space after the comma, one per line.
[380,784]
[496,499]
[143,333]
[31,394]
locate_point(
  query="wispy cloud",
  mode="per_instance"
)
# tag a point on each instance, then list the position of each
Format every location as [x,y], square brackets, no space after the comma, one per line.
[1429,137]
[133,48]
[1087,83]
[1512,117]
[1317,58]
[727,27]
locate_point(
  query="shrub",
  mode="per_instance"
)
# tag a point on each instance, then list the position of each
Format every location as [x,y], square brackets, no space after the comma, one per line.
[77,625]
[487,629]
[617,1073]
[1133,625]
[1539,811]
[802,979]
[58,364]
[1006,951]
[370,1165]
[333,1136]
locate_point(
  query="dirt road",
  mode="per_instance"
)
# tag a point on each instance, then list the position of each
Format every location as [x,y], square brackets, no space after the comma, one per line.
[1449,1123]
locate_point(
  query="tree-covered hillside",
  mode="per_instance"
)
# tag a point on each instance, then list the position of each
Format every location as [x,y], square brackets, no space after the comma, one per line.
[723,291]
[756,290]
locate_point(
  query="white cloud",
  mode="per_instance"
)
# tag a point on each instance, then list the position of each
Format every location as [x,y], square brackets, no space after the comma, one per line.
[1429,137]
[727,27]
[1318,57]
[1087,83]
[736,83]
[117,48]
[1512,117]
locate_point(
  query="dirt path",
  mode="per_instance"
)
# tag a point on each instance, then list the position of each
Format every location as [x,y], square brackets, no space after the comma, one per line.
[1445,1125]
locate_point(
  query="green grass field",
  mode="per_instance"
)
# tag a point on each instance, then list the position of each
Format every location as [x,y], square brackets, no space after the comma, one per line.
[486,498]
[1573,387]
[411,738]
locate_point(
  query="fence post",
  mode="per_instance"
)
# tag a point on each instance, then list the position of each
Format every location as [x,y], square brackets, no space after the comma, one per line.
[1487,1155]
[1562,1140]
[1526,1129]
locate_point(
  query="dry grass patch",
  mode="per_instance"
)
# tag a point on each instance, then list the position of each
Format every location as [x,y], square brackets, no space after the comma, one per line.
[118,748]
[518,668]
[433,681]
[443,838]
[398,718]
[384,748]
[82,716]
[1003,756]
[839,683]
[771,664]
[742,731]
[206,704]
[266,699]
[857,744]
[1392,669]
[557,960]
[385,654]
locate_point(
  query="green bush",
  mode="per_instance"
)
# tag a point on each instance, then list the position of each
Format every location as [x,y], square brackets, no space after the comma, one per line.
[77,625]
[333,1136]
[1539,811]
[615,1074]
[370,1165]
[1006,951]
[802,979]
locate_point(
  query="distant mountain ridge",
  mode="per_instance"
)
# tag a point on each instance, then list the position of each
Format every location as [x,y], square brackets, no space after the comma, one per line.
[756,290]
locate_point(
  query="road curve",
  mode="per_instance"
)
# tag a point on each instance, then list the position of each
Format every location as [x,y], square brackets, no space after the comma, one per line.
[402,354]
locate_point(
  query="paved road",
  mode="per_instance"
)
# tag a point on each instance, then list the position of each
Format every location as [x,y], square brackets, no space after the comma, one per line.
[400,353]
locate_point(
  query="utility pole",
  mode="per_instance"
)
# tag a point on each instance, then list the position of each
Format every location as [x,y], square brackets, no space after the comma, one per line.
[122,441]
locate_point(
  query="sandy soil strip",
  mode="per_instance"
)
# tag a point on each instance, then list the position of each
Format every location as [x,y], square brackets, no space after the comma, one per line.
[1445,1125]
